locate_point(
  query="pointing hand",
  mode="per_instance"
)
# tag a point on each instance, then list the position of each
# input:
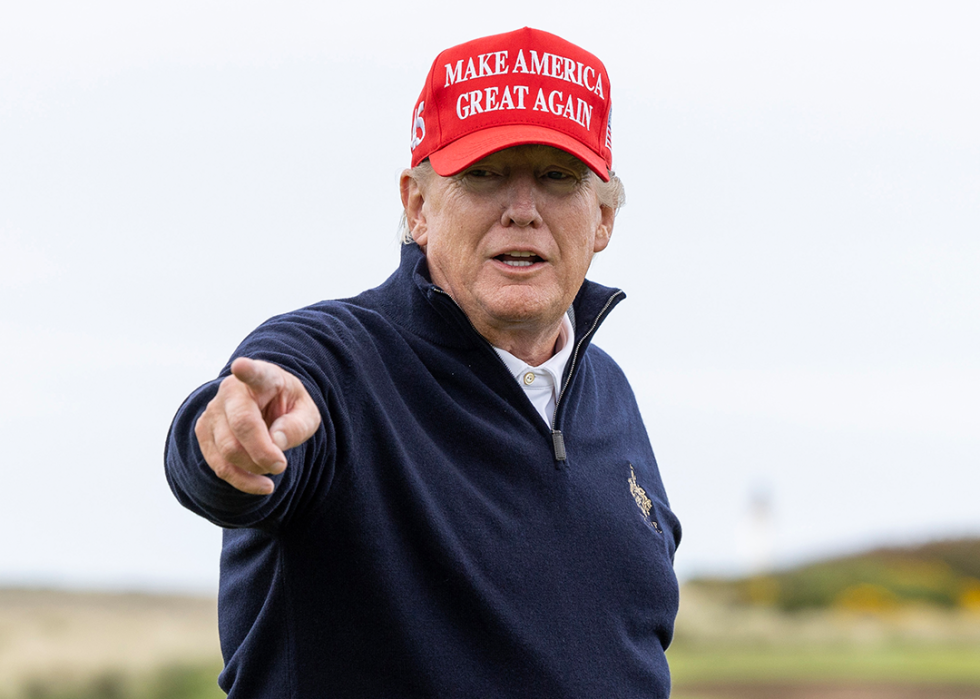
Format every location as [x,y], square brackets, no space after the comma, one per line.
[259,412]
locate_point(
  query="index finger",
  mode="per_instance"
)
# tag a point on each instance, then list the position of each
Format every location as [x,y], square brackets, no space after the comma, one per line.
[257,375]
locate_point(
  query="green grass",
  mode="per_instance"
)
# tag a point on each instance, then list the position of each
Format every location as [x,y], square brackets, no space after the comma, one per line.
[198,682]
[175,682]
[913,664]
[689,664]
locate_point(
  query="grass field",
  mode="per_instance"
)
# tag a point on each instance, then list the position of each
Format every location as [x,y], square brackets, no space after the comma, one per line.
[73,645]
[63,645]
[908,652]
[182,681]
[911,664]
[827,690]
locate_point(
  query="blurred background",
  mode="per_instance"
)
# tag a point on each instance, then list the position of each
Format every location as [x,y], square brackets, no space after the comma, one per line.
[800,250]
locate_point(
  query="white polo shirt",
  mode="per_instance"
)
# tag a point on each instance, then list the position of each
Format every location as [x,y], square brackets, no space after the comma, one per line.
[543,383]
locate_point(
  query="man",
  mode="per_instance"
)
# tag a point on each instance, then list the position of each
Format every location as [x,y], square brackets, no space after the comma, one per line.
[440,488]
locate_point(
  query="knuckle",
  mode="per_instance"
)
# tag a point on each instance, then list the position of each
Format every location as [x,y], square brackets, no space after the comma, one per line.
[228,446]
[227,385]
[276,377]
[222,470]
[200,428]
[241,422]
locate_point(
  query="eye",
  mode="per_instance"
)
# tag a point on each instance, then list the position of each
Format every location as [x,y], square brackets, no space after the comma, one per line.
[478,173]
[560,176]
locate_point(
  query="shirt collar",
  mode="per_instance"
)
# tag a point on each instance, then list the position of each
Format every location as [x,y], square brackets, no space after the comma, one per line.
[547,375]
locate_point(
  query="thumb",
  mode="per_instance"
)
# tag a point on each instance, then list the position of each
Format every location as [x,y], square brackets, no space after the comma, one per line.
[298,424]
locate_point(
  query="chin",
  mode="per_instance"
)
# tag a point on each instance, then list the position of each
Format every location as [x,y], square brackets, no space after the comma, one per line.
[521,302]
[526,310]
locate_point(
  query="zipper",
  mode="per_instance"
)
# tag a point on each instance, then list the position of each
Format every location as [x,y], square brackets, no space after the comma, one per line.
[557,438]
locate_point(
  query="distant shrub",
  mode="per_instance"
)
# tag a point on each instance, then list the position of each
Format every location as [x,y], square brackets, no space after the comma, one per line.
[970,595]
[944,574]
[866,597]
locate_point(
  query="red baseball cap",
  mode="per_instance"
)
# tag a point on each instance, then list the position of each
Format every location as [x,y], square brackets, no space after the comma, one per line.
[523,87]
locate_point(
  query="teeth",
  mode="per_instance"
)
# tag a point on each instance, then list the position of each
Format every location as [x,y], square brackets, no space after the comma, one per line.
[518,263]
[518,253]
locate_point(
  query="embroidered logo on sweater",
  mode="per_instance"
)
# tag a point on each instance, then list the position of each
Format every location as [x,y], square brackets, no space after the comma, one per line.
[642,500]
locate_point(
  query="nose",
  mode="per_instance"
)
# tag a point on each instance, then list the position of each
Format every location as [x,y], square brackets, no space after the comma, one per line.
[520,206]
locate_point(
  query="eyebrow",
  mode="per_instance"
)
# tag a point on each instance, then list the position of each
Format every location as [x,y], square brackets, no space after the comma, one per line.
[564,159]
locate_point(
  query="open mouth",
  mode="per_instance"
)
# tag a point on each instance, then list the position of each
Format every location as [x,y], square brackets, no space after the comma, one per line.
[518,258]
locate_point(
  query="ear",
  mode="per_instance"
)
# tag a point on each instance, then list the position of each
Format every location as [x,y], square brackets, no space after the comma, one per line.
[412,201]
[603,232]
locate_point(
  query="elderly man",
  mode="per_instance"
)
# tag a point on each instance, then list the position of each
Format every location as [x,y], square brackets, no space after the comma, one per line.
[440,488]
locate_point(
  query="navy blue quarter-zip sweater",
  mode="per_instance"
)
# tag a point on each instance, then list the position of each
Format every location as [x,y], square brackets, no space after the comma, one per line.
[434,538]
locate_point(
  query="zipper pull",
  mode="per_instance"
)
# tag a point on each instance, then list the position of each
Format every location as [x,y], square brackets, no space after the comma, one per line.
[559,442]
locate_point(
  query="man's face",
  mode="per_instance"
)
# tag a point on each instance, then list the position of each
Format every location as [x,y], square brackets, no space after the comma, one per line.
[511,237]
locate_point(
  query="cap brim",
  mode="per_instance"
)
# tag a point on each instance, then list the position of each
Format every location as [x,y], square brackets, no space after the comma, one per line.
[465,151]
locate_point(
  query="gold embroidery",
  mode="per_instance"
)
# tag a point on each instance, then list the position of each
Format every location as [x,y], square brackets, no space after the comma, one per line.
[640,495]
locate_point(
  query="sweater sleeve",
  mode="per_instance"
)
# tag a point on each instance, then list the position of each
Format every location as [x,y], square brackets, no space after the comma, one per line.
[310,466]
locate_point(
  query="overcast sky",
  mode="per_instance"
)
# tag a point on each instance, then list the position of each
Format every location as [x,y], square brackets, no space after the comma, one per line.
[800,250]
